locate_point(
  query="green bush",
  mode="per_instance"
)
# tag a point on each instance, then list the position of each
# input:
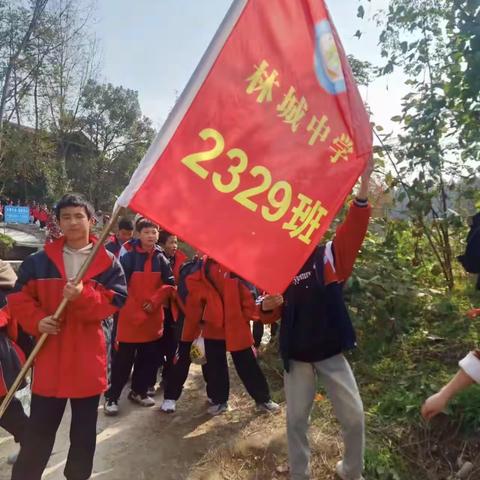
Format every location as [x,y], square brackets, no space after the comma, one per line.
[6,243]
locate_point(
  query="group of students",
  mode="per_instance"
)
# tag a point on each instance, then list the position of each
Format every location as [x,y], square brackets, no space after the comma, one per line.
[135,281]
[162,305]
[157,326]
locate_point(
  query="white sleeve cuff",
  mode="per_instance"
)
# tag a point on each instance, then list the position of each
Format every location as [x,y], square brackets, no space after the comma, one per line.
[471,366]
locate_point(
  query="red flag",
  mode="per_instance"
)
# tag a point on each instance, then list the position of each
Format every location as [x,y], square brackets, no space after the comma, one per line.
[265,143]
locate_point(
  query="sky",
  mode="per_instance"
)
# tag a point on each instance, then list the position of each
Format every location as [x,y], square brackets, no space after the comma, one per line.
[153,46]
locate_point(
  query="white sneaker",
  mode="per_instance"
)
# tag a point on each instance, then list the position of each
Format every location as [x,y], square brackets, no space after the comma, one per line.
[168,406]
[341,472]
[218,409]
[110,408]
[145,401]
[270,407]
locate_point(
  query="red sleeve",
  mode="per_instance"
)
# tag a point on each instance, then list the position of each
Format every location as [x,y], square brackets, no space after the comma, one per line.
[349,238]
[9,322]
[94,303]
[162,296]
[176,305]
[6,320]
[249,309]
[194,306]
[102,298]
[26,310]
[4,317]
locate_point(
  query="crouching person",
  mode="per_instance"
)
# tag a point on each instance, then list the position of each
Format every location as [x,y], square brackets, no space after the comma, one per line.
[468,374]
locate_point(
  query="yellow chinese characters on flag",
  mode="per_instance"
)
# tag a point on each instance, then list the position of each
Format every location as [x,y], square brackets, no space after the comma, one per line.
[264,145]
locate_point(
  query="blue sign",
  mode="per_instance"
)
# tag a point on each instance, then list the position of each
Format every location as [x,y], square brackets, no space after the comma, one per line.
[13,214]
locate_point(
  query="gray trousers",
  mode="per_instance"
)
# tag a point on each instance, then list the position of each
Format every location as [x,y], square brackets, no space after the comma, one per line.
[300,389]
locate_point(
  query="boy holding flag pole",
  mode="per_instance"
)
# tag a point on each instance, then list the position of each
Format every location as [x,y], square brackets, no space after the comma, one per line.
[79,274]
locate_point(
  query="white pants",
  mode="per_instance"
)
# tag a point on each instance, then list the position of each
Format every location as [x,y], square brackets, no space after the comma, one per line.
[300,389]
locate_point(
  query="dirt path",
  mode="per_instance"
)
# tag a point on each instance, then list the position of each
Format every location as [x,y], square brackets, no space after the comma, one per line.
[144,443]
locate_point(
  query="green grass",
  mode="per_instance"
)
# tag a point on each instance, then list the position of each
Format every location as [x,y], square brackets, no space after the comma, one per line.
[411,332]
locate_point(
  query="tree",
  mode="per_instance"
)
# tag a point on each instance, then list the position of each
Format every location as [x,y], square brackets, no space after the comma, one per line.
[119,136]
[462,85]
[67,68]
[45,89]
[15,37]
[431,41]
[27,165]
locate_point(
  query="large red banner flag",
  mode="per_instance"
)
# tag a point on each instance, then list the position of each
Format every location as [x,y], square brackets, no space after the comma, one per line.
[263,146]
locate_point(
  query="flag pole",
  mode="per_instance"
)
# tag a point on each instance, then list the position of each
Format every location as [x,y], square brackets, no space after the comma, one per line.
[58,312]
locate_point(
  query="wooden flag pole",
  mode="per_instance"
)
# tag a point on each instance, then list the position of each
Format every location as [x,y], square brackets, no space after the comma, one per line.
[58,312]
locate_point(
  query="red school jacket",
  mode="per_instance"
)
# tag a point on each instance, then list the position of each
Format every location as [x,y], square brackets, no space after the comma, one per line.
[220,306]
[113,245]
[150,279]
[176,262]
[11,356]
[73,363]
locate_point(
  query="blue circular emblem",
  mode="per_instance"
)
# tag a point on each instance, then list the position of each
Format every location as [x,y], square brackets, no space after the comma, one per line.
[328,66]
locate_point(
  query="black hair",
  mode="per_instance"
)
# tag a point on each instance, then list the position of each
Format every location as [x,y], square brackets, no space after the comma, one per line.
[145,223]
[74,200]
[164,236]
[125,224]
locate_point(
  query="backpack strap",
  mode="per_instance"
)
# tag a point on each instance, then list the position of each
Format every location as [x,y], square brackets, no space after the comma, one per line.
[187,269]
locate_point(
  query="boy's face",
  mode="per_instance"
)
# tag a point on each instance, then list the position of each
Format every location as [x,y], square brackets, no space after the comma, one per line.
[148,237]
[74,223]
[171,245]
[124,235]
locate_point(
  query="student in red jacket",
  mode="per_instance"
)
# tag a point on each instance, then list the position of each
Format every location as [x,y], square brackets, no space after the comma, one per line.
[34,211]
[14,419]
[169,244]
[125,233]
[169,342]
[140,322]
[72,363]
[42,216]
[219,306]
[114,245]
[130,244]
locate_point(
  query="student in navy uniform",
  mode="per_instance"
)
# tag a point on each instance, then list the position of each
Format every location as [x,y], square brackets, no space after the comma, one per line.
[114,245]
[125,233]
[315,330]
[169,341]
[140,323]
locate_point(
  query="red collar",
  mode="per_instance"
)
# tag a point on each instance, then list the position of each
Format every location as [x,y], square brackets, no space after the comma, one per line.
[100,263]
[139,249]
